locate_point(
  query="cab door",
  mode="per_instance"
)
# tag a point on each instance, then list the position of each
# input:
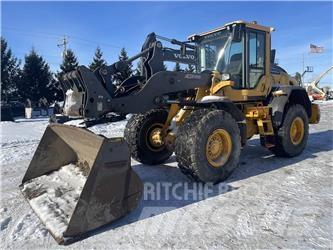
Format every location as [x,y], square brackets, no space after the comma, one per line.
[256,74]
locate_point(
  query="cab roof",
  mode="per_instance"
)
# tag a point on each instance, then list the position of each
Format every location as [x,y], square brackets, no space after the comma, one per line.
[252,25]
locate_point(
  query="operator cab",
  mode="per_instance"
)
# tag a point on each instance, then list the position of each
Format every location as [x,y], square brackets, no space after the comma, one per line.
[237,51]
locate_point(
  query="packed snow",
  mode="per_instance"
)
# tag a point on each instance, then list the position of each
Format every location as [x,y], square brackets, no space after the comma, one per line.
[268,202]
[73,103]
[54,196]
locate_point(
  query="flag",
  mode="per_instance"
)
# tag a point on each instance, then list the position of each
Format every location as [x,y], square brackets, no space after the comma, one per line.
[316,49]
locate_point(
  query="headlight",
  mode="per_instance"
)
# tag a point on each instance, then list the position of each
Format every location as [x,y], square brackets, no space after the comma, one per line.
[225,77]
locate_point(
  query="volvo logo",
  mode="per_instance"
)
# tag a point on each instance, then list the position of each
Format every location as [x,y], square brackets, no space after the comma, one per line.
[188,57]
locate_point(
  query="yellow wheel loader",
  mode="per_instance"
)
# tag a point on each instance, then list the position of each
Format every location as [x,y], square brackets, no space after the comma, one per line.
[78,181]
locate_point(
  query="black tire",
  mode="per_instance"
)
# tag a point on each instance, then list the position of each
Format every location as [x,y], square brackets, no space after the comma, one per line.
[191,145]
[283,144]
[136,135]
[182,149]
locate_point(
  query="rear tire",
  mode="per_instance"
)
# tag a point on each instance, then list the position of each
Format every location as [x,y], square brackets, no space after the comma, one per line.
[137,133]
[287,143]
[196,158]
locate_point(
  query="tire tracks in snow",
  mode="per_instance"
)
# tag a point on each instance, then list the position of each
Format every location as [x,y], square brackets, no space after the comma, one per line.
[19,143]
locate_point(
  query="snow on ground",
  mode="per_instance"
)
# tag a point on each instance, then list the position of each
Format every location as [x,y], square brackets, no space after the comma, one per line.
[53,197]
[268,202]
[20,139]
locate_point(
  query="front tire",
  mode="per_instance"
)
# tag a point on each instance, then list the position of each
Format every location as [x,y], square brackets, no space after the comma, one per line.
[140,133]
[291,138]
[209,145]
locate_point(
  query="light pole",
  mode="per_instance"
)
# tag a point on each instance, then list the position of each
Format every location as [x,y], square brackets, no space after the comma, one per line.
[64,45]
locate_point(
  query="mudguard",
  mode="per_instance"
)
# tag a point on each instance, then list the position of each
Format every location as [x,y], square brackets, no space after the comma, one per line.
[283,96]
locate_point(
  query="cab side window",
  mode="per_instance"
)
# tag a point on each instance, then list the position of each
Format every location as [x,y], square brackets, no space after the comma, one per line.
[235,63]
[256,45]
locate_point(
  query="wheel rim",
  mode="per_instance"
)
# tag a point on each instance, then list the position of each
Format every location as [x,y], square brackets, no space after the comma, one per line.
[297,131]
[154,139]
[218,148]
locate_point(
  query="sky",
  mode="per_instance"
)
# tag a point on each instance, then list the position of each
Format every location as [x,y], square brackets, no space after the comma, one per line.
[113,25]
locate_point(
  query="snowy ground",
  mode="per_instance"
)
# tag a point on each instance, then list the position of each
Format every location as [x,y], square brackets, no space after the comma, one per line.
[53,197]
[268,202]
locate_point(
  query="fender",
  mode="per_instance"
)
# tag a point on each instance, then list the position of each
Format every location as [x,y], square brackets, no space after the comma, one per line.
[223,103]
[283,96]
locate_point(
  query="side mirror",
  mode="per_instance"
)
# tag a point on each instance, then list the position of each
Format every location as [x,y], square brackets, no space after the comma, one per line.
[236,33]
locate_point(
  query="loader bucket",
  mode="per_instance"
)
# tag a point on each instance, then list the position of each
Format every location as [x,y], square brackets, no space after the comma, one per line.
[78,181]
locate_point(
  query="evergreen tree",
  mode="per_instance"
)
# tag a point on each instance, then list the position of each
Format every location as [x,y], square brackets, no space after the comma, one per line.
[98,61]
[10,72]
[177,67]
[69,62]
[56,93]
[138,71]
[36,78]
[190,68]
[121,76]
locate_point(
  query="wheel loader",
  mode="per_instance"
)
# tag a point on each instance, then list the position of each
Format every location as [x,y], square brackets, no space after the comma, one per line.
[203,117]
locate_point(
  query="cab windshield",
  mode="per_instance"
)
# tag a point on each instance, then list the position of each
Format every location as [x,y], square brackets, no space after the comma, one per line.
[218,52]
